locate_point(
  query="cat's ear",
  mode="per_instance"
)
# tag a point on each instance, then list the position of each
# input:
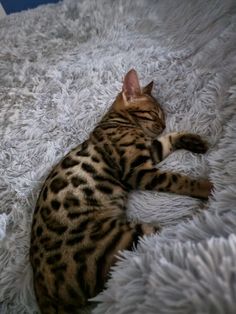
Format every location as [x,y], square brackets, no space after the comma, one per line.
[131,87]
[148,89]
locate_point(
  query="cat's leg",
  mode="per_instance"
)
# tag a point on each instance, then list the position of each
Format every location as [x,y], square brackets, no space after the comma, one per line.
[121,235]
[140,173]
[150,178]
[166,144]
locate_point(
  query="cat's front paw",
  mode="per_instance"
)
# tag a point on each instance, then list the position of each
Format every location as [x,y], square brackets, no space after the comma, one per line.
[191,142]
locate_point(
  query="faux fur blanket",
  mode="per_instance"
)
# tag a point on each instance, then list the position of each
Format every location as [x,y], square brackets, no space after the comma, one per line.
[60,69]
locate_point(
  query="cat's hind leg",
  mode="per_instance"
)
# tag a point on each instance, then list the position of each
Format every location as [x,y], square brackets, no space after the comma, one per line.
[123,236]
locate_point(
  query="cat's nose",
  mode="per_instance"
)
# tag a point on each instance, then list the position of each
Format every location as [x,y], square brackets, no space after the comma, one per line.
[163,125]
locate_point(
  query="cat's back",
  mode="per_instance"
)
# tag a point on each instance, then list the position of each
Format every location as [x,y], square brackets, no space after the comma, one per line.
[78,204]
[85,179]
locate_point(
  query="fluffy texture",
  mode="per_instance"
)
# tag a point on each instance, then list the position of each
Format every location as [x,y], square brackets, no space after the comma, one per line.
[61,67]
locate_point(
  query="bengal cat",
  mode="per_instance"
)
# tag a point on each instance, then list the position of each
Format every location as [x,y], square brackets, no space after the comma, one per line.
[79,223]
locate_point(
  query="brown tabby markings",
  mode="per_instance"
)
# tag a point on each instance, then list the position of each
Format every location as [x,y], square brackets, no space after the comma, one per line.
[79,222]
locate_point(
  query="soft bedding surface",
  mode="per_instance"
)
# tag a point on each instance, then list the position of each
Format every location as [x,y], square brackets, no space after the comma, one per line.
[60,68]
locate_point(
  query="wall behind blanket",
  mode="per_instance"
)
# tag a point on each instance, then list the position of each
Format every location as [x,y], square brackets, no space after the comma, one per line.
[11,6]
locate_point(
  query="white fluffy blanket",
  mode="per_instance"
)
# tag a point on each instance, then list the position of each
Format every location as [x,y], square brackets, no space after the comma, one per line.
[60,68]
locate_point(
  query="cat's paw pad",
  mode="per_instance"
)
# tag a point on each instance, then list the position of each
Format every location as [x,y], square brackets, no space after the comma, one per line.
[192,142]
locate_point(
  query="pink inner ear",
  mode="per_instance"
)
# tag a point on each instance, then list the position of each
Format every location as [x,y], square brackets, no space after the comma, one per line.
[131,86]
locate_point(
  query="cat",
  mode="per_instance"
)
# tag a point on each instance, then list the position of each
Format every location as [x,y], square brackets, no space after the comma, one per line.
[79,223]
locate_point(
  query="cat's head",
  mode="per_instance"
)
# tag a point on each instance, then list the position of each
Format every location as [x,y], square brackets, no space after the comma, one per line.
[139,104]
